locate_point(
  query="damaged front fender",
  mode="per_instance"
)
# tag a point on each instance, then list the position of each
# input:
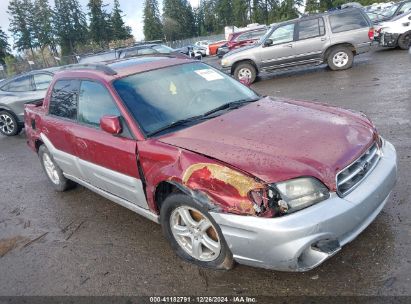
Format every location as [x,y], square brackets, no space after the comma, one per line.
[213,184]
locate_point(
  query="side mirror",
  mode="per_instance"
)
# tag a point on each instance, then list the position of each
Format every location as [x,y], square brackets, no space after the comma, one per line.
[110,124]
[268,42]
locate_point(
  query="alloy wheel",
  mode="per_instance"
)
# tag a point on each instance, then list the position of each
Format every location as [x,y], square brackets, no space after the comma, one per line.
[7,125]
[244,74]
[51,169]
[340,59]
[195,234]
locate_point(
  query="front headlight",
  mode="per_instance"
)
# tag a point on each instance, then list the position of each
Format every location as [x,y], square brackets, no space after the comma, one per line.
[224,62]
[300,193]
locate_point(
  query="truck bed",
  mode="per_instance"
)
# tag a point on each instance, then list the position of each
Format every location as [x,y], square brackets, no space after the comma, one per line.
[33,112]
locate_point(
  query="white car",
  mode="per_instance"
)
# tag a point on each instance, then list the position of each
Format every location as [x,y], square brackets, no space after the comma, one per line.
[205,44]
[396,32]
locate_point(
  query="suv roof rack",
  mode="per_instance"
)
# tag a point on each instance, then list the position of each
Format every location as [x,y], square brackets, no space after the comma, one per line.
[91,66]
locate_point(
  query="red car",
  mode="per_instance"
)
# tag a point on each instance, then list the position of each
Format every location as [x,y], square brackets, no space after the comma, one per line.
[230,175]
[213,47]
[244,38]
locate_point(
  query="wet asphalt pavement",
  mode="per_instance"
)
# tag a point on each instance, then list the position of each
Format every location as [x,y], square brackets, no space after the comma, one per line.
[78,243]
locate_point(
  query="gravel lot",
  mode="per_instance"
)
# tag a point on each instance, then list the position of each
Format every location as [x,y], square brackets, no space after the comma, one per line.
[78,243]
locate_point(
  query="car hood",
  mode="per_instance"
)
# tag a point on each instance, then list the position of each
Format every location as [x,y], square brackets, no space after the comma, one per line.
[242,49]
[276,140]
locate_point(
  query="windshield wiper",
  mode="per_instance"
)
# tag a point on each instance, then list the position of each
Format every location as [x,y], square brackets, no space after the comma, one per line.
[226,106]
[230,105]
[175,124]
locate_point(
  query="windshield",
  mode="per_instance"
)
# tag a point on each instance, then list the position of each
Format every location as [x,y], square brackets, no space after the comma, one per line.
[161,97]
[391,11]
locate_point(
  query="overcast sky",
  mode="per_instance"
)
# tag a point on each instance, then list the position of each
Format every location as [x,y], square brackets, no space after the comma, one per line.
[133,10]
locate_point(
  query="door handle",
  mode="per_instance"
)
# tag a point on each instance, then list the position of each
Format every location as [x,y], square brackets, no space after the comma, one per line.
[288,45]
[323,39]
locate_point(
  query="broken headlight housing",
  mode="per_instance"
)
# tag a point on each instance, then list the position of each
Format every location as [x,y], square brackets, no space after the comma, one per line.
[299,193]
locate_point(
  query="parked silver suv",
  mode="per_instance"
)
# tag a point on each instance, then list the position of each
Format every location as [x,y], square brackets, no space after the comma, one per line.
[333,38]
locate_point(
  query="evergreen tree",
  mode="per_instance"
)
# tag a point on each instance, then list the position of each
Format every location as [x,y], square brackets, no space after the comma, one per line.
[20,12]
[257,15]
[225,13]
[326,4]
[153,28]
[312,6]
[119,30]
[100,28]
[71,26]
[41,24]
[288,9]
[240,10]
[178,19]
[4,46]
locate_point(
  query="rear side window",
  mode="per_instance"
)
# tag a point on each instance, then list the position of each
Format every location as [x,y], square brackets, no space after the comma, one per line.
[21,84]
[311,28]
[42,81]
[347,21]
[94,102]
[63,102]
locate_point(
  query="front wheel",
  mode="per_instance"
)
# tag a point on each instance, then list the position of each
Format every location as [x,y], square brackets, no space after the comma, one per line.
[193,233]
[245,72]
[404,41]
[9,125]
[340,58]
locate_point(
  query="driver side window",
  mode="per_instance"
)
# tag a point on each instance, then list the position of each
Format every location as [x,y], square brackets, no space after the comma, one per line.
[95,102]
[283,34]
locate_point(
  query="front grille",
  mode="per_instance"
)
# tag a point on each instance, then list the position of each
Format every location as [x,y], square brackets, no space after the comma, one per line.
[351,176]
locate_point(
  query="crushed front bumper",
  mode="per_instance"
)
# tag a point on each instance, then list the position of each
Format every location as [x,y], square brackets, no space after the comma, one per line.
[305,239]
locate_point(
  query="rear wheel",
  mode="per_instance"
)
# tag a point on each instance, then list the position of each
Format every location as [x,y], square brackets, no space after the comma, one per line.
[340,58]
[53,172]
[9,125]
[193,233]
[245,72]
[404,41]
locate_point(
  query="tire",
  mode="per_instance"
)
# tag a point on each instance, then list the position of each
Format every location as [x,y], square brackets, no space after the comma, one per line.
[340,58]
[247,70]
[404,41]
[53,172]
[171,214]
[9,125]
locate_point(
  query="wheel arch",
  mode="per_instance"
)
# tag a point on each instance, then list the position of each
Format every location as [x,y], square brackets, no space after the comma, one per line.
[165,188]
[250,61]
[37,144]
[345,44]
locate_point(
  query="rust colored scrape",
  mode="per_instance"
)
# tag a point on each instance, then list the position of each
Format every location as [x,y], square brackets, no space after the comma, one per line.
[243,184]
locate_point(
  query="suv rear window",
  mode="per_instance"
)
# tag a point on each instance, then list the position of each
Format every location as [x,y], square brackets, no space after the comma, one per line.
[63,102]
[347,21]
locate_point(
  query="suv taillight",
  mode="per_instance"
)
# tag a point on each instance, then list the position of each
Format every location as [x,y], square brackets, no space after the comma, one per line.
[371,33]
